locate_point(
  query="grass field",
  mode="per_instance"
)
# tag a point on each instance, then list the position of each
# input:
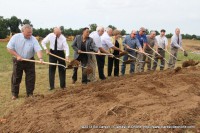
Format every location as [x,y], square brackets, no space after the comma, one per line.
[7,105]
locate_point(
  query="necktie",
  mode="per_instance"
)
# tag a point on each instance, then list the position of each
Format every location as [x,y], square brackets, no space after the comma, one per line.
[55,46]
[178,40]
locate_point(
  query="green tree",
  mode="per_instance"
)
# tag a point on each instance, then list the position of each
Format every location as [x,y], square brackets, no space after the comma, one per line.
[194,37]
[123,32]
[14,23]
[26,21]
[93,27]
[169,35]
[4,31]
[68,32]
[157,33]
[62,28]
[147,32]
[112,27]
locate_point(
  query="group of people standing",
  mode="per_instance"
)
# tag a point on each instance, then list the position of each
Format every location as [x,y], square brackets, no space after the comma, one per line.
[138,46]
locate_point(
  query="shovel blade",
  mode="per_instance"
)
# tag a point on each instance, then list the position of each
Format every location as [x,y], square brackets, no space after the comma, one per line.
[122,54]
[129,61]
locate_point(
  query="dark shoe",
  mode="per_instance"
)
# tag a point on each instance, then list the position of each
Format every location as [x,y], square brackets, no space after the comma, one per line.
[103,79]
[84,83]
[88,80]
[14,97]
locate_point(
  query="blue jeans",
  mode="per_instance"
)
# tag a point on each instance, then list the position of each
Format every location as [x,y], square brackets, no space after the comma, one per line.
[132,64]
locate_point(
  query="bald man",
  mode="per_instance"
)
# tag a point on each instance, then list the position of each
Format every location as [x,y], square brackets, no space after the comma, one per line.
[58,45]
[176,43]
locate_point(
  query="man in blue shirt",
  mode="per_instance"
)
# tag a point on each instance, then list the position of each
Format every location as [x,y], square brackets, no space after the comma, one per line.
[141,36]
[130,42]
[23,46]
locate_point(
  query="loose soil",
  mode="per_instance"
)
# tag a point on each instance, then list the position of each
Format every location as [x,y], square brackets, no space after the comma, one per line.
[166,98]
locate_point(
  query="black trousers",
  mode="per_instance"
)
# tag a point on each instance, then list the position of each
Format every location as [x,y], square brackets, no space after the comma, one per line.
[61,70]
[84,60]
[112,61]
[18,68]
[100,64]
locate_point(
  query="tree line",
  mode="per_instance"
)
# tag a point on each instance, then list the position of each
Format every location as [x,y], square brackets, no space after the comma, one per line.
[11,26]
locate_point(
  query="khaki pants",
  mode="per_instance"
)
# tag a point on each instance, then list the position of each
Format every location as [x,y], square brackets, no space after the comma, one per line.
[139,65]
[172,60]
[92,64]
[148,59]
[162,61]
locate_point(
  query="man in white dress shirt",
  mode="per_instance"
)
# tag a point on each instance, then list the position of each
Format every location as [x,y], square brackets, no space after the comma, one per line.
[106,44]
[58,45]
[96,36]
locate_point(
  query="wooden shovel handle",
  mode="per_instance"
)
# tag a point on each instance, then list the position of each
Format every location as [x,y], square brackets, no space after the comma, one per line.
[58,57]
[48,63]
[95,53]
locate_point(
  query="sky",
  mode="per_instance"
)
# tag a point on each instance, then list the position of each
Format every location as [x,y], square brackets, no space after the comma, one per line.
[123,14]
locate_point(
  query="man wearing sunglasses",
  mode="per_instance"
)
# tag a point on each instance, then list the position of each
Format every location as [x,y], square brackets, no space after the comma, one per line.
[130,42]
[141,36]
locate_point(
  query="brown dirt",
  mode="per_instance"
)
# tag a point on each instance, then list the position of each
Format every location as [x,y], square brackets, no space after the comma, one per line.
[168,98]
[189,63]
[73,63]
[88,70]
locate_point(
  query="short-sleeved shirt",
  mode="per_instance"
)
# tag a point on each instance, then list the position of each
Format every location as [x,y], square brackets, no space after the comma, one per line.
[131,42]
[97,39]
[106,41]
[162,41]
[26,48]
[151,42]
[142,39]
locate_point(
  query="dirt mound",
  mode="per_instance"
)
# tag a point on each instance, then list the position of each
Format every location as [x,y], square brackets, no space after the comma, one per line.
[189,63]
[142,102]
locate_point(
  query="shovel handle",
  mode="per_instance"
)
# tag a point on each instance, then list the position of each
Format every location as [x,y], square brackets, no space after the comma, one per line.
[93,53]
[58,57]
[118,59]
[158,54]
[135,58]
[47,63]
